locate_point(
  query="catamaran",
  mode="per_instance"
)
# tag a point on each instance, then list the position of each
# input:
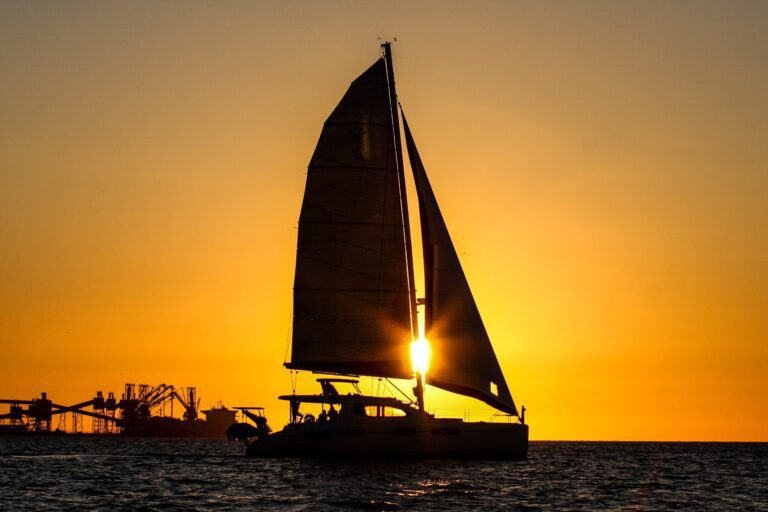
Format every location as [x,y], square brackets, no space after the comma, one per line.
[355,307]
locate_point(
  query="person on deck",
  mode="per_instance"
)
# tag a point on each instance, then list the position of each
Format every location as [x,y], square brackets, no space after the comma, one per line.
[296,416]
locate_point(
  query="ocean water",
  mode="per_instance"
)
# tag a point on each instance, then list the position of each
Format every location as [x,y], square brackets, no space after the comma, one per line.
[146,474]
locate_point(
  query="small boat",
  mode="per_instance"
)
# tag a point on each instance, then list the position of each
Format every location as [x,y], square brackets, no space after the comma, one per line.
[355,311]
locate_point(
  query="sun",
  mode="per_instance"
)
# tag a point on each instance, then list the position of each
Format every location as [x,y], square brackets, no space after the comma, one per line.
[420,356]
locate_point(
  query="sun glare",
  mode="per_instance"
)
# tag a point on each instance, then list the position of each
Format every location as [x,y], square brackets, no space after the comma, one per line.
[420,356]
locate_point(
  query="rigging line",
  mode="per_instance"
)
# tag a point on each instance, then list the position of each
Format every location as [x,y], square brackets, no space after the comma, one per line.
[401,185]
[397,388]
[290,333]
[294,380]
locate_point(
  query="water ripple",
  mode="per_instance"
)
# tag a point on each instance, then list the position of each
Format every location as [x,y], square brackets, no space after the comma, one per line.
[142,474]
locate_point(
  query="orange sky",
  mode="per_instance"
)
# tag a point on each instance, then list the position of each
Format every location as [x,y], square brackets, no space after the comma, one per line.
[602,167]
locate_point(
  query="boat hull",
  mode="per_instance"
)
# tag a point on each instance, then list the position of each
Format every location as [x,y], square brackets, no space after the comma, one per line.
[391,438]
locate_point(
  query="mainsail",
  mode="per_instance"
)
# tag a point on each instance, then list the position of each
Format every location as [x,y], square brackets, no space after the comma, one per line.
[352,308]
[464,361]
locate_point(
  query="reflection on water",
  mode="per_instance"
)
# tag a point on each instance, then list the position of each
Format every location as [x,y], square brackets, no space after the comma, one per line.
[130,474]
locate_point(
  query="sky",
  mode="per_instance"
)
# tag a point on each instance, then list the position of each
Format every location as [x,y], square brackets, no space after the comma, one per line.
[602,168]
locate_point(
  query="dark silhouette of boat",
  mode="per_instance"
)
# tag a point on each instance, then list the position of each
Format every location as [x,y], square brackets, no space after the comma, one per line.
[355,306]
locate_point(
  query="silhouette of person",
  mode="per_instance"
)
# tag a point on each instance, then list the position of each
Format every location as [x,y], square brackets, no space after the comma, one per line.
[296,416]
[332,414]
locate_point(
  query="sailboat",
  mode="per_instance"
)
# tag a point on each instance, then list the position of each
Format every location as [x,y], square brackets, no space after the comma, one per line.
[355,307]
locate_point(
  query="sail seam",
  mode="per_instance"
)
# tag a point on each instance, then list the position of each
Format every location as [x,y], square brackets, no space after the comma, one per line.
[354,167]
[366,290]
[355,123]
[350,223]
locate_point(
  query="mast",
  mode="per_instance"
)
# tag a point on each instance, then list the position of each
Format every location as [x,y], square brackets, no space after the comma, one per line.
[401,180]
[387,50]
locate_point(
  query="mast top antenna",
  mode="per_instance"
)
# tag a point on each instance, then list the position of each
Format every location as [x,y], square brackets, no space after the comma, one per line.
[386,42]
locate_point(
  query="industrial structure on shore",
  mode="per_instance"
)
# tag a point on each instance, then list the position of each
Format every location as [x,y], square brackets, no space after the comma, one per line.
[142,411]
